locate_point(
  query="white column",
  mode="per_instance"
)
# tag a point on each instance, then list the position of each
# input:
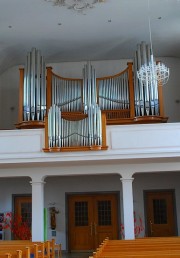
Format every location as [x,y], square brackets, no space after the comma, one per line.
[37,211]
[128,207]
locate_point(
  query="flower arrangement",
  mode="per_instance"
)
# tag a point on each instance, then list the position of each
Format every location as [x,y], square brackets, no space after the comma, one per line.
[19,228]
[138,226]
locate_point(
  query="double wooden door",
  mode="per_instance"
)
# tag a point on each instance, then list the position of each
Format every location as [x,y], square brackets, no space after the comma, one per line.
[160,213]
[92,218]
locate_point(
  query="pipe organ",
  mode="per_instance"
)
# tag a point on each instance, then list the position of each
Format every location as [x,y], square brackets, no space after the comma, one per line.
[147,94]
[34,92]
[121,97]
[67,94]
[89,86]
[116,97]
[114,92]
[85,132]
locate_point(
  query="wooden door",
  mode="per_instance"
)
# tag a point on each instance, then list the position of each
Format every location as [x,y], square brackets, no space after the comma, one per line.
[91,219]
[105,220]
[23,211]
[160,214]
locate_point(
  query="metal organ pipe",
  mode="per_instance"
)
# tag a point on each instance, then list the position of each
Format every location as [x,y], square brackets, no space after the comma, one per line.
[33,81]
[114,92]
[146,95]
[43,88]
[54,125]
[89,86]
[67,93]
[34,95]
[65,133]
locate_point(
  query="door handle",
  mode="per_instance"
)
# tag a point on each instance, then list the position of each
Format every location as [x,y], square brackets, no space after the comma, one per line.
[151,227]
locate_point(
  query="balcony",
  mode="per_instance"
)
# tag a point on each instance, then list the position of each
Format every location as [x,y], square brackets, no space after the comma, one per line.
[125,144]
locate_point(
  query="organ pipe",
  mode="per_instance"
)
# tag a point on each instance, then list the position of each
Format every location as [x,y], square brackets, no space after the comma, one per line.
[67,93]
[67,133]
[34,92]
[146,95]
[89,86]
[113,92]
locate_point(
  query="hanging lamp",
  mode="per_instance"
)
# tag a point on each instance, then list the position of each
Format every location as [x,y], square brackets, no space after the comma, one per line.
[153,72]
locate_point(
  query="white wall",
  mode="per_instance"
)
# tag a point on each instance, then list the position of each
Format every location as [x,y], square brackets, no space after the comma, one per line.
[9,85]
[171,90]
[9,98]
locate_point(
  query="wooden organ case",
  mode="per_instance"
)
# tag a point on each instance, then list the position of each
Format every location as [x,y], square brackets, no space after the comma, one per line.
[75,112]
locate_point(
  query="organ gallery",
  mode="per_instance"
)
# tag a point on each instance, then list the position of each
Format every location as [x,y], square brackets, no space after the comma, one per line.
[75,111]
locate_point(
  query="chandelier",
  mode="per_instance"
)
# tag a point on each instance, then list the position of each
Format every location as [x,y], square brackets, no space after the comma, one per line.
[153,72]
[78,5]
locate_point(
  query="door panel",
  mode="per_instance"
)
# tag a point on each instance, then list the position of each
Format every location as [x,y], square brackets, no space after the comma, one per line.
[91,219]
[105,218]
[160,213]
[23,209]
[80,224]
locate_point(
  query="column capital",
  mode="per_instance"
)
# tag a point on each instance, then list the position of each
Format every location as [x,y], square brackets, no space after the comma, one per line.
[130,179]
[40,182]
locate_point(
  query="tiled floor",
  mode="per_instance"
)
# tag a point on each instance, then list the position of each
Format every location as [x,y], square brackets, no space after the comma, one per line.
[76,255]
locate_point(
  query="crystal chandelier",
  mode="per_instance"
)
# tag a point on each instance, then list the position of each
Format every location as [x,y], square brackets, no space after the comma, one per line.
[78,5]
[153,72]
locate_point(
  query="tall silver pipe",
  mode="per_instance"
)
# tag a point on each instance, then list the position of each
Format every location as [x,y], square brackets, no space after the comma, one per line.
[43,88]
[25,96]
[33,83]
[141,88]
[34,92]
[28,87]
[49,128]
[136,87]
[38,85]
[149,91]
[62,132]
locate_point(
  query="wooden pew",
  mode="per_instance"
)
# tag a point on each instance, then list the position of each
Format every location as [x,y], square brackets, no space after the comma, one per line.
[7,255]
[16,254]
[49,246]
[38,251]
[19,251]
[145,247]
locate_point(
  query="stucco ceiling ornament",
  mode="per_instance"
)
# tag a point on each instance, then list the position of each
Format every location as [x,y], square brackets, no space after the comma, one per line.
[77,5]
